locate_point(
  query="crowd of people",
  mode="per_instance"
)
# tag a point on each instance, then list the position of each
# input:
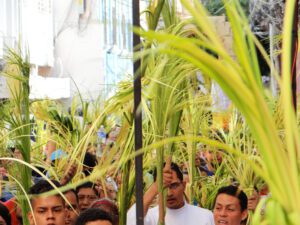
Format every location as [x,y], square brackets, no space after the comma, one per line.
[88,204]
[84,205]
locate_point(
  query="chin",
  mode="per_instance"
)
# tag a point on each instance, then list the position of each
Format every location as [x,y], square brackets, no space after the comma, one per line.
[173,206]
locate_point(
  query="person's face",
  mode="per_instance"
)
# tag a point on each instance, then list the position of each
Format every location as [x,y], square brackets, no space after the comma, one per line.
[48,210]
[211,156]
[197,160]
[253,200]
[17,154]
[50,147]
[92,150]
[2,221]
[111,193]
[99,222]
[227,210]
[85,197]
[219,157]
[71,212]
[175,196]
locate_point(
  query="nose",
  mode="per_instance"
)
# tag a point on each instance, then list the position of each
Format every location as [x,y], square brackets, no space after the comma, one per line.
[169,192]
[223,212]
[68,214]
[50,214]
[86,201]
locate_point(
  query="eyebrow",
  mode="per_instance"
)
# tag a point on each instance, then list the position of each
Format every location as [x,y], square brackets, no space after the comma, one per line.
[230,204]
[46,207]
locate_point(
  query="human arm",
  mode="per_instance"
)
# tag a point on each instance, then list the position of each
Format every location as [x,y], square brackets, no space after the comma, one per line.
[152,192]
[70,173]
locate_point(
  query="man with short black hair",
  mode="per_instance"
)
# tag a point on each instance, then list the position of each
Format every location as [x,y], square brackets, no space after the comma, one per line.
[230,206]
[87,193]
[178,211]
[46,209]
[72,208]
[94,216]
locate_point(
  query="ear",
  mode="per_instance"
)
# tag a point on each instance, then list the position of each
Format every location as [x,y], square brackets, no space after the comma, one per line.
[244,214]
[184,184]
[30,218]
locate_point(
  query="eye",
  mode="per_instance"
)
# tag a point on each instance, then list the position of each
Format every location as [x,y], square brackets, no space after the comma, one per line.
[57,209]
[41,211]
[81,197]
[92,198]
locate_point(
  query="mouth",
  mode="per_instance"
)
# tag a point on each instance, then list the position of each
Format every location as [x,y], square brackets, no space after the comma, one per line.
[170,200]
[222,222]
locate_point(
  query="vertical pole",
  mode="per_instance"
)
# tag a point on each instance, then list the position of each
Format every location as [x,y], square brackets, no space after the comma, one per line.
[137,118]
[273,61]
[294,53]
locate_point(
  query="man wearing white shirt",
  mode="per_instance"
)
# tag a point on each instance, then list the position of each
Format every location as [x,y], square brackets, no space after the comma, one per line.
[178,212]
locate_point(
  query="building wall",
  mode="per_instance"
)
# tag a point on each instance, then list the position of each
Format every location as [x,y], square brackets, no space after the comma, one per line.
[77,47]
[37,30]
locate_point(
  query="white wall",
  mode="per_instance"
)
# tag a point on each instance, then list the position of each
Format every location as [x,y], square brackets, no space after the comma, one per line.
[37,30]
[78,52]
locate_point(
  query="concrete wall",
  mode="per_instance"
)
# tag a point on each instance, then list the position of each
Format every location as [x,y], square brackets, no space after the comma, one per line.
[77,50]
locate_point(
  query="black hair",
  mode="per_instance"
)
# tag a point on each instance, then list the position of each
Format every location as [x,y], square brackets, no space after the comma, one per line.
[4,213]
[175,168]
[235,192]
[92,214]
[89,161]
[41,187]
[87,185]
[108,206]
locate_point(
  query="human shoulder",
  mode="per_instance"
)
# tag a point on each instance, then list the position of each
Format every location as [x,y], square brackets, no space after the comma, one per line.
[197,208]
[200,212]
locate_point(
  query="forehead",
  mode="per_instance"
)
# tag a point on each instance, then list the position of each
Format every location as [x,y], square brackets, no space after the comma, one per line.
[48,201]
[175,177]
[71,197]
[226,200]
[86,191]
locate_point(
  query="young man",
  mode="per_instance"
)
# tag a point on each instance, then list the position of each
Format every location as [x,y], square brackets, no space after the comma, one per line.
[230,206]
[86,193]
[46,209]
[211,161]
[72,208]
[178,212]
[94,217]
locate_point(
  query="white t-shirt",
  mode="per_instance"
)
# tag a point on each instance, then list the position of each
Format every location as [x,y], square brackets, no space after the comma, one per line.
[186,215]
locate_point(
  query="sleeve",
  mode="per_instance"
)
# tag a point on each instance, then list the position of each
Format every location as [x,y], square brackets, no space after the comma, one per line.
[211,218]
